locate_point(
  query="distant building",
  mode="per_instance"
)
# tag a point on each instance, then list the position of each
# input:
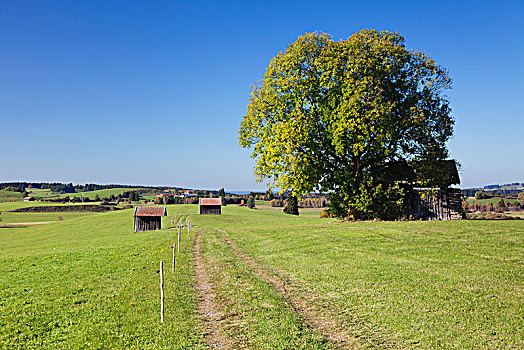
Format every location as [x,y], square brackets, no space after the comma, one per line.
[148,218]
[209,206]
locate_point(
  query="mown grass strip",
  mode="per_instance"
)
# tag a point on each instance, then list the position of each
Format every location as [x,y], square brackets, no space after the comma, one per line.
[255,315]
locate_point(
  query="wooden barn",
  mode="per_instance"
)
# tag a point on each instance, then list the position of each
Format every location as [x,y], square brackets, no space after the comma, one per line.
[209,206]
[148,218]
[428,195]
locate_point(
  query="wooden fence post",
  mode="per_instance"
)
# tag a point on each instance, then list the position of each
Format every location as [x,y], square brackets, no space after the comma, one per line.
[161,292]
[174,253]
[178,238]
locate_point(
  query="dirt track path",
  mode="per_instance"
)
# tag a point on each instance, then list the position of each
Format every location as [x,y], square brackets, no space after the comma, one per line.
[315,317]
[207,305]
[25,224]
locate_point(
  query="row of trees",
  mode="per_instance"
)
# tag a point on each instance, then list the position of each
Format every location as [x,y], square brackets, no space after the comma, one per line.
[500,207]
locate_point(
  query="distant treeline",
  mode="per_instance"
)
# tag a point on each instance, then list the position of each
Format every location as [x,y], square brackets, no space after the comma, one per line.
[470,192]
[488,187]
[69,188]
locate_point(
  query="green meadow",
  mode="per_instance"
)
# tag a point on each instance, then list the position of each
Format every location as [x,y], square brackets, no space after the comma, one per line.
[91,282]
[46,193]
[145,193]
[6,196]
[494,200]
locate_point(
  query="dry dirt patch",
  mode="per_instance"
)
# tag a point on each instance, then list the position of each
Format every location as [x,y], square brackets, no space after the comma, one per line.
[207,305]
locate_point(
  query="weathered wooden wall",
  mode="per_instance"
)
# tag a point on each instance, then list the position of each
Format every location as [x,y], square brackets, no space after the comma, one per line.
[147,223]
[445,204]
[210,210]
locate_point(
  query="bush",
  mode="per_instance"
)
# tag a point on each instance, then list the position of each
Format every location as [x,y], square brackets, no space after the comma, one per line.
[251,202]
[275,203]
[326,213]
[479,195]
[291,206]
[491,217]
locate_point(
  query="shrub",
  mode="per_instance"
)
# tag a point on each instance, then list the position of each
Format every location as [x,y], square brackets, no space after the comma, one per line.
[492,217]
[326,214]
[223,199]
[479,195]
[275,203]
[251,202]
[291,206]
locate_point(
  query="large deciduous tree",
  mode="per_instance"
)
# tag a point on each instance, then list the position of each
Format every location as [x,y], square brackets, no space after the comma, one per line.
[327,112]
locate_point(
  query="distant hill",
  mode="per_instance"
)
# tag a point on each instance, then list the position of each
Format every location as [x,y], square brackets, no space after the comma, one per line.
[511,186]
[511,189]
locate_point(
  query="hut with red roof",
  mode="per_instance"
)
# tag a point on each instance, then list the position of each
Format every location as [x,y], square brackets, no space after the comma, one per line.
[149,218]
[209,206]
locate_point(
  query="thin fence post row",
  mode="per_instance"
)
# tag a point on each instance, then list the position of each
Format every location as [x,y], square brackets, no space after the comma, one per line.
[161,292]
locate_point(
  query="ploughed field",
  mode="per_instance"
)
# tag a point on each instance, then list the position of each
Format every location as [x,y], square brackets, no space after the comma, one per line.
[261,279]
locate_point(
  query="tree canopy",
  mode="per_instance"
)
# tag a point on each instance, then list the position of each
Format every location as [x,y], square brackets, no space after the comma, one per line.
[326,112]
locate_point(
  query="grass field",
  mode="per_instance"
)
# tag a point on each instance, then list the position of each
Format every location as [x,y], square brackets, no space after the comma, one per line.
[6,196]
[46,193]
[101,193]
[8,218]
[494,201]
[42,193]
[90,282]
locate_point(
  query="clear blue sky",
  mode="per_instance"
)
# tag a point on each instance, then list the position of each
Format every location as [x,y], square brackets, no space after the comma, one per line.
[142,92]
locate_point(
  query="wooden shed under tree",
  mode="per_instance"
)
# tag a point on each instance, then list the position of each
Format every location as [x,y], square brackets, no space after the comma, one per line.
[209,206]
[427,191]
[148,218]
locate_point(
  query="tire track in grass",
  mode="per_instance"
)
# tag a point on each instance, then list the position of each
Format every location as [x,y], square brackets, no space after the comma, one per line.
[318,321]
[207,305]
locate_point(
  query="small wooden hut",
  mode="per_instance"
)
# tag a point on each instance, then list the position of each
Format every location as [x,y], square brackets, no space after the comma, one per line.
[428,195]
[209,206]
[148,218]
